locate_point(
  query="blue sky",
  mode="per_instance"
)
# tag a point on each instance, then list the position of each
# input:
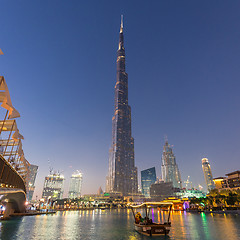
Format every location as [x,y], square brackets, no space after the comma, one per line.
[183,62]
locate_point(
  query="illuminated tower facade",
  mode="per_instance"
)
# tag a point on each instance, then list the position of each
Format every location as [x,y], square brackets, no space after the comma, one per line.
[208,174]
[75,187]
[170,171]
[53,186]
[122,173]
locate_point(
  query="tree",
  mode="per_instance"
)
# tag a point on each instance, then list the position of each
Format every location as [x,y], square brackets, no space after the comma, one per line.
[232,198]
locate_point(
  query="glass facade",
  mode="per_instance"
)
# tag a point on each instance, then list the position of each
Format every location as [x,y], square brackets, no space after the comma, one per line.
[75,187]
[148,177]
[31,182]
[53,186]
[208,174]
[170,171]
[122,173]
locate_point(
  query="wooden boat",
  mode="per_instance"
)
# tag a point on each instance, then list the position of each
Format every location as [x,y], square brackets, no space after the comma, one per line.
[146,226]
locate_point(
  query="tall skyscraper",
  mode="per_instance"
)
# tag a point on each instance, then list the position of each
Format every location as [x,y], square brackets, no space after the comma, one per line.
[148,177]
[31,182]
[170,171]
[208,174]
[53,186]
[75,187]
[122,173]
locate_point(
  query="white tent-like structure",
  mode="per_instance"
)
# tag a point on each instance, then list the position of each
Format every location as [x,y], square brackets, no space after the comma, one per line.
[11,139]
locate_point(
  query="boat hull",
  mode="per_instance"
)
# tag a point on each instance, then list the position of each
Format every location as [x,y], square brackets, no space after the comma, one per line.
[153,229]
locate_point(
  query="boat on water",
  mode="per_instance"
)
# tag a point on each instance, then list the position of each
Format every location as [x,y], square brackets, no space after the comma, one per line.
[145,225]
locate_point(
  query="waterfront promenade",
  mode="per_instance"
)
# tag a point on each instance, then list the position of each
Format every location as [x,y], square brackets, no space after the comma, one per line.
[118,224]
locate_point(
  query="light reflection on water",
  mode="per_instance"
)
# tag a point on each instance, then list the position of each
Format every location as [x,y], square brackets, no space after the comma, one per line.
[118,224]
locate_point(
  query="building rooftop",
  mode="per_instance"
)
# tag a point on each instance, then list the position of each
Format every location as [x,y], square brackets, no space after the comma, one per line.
[219,178]
[232,173]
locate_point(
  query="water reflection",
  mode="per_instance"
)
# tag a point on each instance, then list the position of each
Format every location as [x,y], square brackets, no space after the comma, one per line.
[202,226]
[9,229]
[158,213]
[205,226]
[118,224]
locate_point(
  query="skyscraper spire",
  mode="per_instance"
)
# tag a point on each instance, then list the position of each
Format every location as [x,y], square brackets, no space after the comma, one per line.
[122,173]
[121,28]
[121,45]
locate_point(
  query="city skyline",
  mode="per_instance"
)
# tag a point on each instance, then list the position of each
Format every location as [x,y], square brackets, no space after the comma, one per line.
[184,73]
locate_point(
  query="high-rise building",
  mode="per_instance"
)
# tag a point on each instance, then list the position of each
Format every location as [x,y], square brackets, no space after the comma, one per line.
[148,177]
[170,171]
[100,191]
[122,173]
[53,186]
[162,190]
[31,181]
[75,187]
[230,182]
[208,174]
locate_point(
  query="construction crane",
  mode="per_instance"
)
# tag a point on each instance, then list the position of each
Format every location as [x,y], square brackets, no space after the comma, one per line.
[50,168]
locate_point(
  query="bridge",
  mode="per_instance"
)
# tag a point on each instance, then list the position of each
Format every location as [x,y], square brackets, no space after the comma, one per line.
[14,168]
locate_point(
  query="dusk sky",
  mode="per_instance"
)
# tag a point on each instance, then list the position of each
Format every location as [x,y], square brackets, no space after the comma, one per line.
[183,62]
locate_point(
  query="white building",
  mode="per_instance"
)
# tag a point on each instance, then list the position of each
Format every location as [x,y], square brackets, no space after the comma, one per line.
[75,187]
[208,174]
[53,186]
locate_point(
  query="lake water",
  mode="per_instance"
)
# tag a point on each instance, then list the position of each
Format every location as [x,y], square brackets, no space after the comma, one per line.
[117,225]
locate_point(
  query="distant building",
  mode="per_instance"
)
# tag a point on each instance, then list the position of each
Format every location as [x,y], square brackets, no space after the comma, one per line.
[207,174]
[75,188]
[148,177]
[232,181]
[162,190]
[100,191]
[191,193]
[31,182]
[220,183]
[170,171]
[53,186]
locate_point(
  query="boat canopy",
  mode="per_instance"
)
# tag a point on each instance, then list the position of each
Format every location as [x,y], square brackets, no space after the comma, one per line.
[152,204]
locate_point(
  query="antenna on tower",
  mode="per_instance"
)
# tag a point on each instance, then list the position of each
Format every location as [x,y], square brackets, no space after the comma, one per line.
[50,168]
[165,138]
[121,27]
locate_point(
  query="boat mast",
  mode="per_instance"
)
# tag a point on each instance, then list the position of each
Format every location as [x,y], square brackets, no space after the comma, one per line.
[169,213]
